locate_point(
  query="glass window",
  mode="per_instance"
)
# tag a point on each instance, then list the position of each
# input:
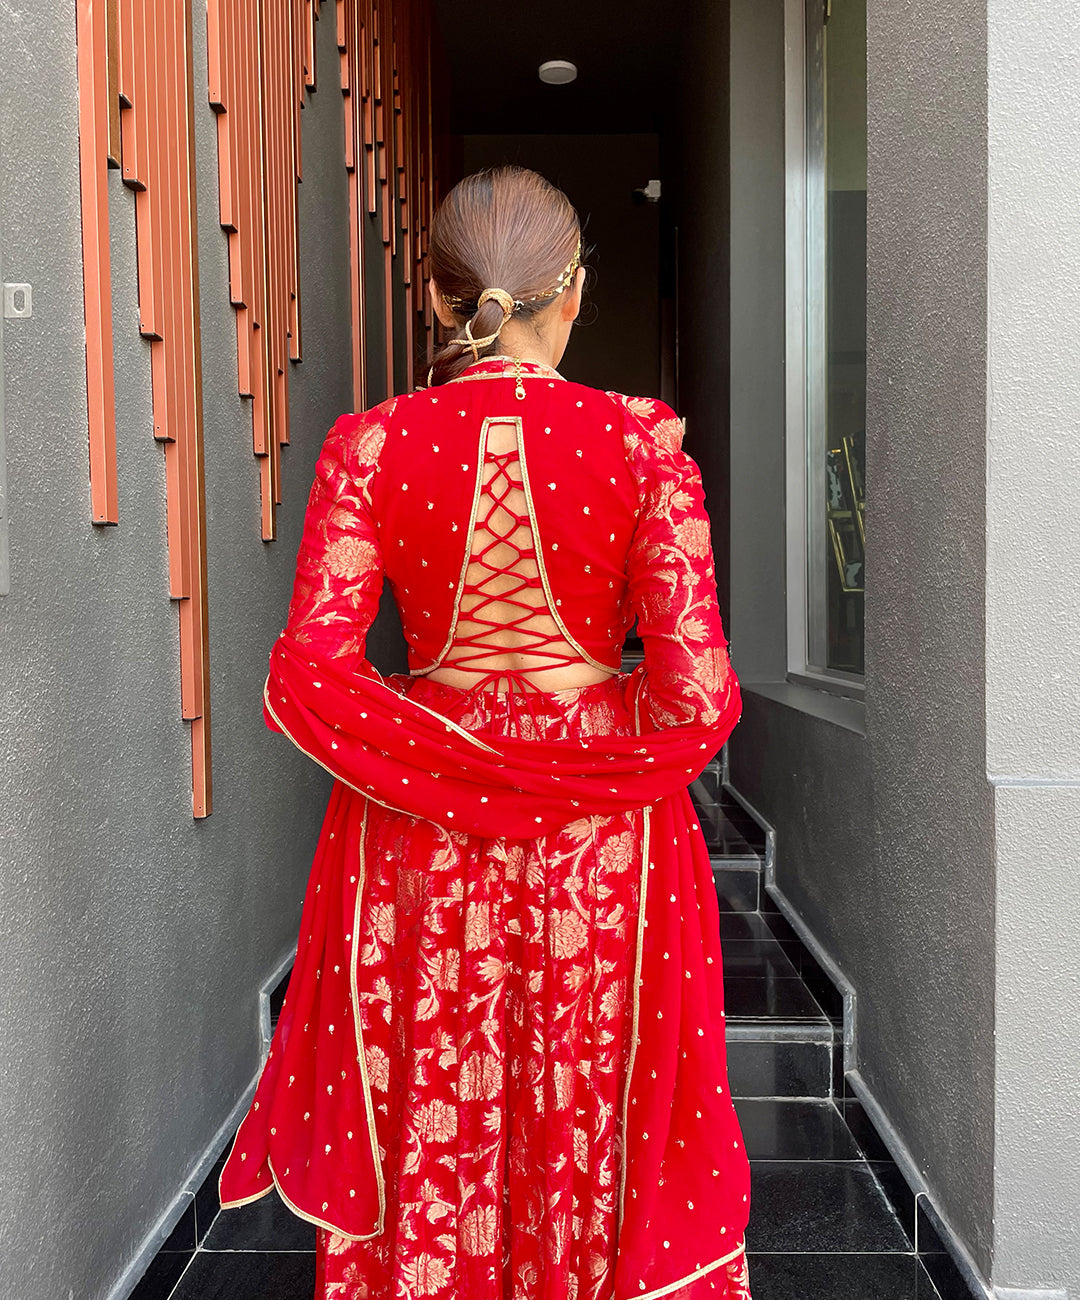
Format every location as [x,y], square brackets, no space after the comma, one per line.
[835,304]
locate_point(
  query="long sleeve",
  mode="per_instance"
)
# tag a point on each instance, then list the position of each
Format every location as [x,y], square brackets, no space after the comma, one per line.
[672,581]
[339,572]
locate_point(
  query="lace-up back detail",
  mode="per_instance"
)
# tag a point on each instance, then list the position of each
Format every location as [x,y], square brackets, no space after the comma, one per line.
[506,634]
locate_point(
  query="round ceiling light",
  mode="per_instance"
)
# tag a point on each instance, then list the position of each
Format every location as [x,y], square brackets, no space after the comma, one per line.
[557,72]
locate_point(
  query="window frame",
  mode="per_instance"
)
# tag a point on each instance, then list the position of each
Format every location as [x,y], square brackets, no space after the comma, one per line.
[805,398]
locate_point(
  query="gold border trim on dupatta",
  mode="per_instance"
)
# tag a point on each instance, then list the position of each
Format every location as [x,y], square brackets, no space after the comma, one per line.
[643,885]
[366,793]
[645,850]
[276,1186]
[369,1107]
[693,1277]
[635,997]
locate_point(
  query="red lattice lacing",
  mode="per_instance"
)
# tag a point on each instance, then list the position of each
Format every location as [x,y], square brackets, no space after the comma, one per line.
[503,607]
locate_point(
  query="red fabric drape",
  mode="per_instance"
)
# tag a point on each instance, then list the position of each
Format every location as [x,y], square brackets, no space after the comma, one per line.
[410,759]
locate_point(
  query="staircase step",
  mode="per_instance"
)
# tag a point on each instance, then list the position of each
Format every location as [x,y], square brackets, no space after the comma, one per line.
[777,1067]
[738,883]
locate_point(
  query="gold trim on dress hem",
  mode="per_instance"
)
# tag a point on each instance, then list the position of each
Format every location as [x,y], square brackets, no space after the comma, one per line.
[693,1277]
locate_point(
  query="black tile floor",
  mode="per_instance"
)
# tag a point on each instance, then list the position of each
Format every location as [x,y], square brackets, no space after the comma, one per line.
[831,1219]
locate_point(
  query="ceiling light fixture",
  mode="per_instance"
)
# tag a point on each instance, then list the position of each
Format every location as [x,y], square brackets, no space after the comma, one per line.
[557,72]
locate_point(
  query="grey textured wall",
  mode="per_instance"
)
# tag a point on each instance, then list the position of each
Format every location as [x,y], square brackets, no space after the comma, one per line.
[133,938]
[927,1042]
[1033,634]
[886,844]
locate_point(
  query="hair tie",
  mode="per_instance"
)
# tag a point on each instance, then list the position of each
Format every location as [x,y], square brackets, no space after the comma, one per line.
[505,301]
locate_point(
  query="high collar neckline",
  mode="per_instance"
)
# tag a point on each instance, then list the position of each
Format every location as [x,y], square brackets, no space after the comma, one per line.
[500,366]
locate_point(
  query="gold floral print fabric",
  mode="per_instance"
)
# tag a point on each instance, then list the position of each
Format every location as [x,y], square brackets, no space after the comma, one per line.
[493,981]
[339,575]
[672,580]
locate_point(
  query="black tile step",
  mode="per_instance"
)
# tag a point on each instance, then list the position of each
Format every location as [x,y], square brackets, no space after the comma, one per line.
[820,1207]
[839,1277]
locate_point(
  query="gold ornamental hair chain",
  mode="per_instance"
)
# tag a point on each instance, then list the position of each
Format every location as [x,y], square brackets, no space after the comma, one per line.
[460,305]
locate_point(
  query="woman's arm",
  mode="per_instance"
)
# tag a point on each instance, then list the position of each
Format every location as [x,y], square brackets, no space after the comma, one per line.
[672,582]
[339,572]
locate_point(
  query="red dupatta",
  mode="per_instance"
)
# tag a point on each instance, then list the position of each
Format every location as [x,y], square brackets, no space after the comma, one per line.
[410,759]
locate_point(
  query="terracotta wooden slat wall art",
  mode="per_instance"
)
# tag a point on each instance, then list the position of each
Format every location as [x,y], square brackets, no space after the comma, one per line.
[261,59]
[385,69]
[135,63]
[136,111]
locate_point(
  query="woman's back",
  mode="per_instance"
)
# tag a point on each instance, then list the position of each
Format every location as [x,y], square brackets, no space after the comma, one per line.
[506,527]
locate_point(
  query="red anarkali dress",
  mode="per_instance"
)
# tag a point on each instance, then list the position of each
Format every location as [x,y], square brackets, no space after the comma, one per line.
[500,1069]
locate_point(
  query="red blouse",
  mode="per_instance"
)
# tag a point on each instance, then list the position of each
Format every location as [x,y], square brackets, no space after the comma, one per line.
[614,517]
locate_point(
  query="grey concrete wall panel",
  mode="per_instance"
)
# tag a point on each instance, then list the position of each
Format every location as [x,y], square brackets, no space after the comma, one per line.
[1033,536]
[928,1050]
[1033,634]
[134,939]
[1037,1152]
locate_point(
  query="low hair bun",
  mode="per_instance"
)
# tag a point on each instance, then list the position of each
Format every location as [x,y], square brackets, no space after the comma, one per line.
[505,236]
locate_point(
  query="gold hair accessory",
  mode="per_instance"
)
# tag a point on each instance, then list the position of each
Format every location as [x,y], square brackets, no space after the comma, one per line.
[501,297]
[460,305]
[564,279]
[489,295]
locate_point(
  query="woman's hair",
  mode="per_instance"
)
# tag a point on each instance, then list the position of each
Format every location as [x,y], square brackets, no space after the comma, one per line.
[505,228]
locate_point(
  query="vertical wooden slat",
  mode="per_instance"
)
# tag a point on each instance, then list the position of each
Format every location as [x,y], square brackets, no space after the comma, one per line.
[142,126]
[247,161]
[304,39]
[112,37]
[215,53]
[199,641]
[95,111]
[367,56]
[361,119]
[158,143]
[131,75]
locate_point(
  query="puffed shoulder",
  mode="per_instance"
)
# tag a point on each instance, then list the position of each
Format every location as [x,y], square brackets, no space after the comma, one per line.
[356,438]
[650,421]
